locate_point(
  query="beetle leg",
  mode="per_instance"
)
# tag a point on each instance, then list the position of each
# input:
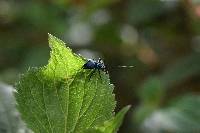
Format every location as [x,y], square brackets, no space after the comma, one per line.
[99,60]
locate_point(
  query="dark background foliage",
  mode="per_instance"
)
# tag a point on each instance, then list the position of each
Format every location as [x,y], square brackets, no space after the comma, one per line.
[160,38]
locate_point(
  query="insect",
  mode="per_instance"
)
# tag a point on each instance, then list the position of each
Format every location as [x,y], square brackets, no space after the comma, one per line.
[98,65]
[95,65]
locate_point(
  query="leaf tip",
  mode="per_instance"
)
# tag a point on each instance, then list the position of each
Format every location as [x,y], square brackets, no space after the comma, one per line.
[125,109]
[50,37]
[128,107]
[49,34]
[54,41]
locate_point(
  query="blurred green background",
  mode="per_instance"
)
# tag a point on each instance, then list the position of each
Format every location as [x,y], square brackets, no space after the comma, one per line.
[160,38]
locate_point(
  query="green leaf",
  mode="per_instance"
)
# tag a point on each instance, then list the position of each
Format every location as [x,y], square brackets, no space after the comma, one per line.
[112,125]
[151,94]
[180,71]
[181,116]
[63,63]
[61,97]
[154,89]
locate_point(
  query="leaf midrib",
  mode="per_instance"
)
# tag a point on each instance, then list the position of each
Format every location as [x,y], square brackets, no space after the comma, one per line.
[90,104]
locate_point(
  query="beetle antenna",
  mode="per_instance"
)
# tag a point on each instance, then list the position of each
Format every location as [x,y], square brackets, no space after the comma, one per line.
[125,66]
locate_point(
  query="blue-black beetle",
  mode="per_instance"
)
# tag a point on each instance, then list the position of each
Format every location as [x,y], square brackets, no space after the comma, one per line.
[96,65]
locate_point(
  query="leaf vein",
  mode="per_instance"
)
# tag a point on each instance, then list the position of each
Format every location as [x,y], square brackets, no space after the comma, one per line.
[90,104]
[81,105]
[33,112]
[67,101]
[46,108]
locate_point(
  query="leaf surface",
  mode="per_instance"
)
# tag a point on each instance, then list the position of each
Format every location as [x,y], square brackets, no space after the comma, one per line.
[61,97]
[112,125]
[181,116]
